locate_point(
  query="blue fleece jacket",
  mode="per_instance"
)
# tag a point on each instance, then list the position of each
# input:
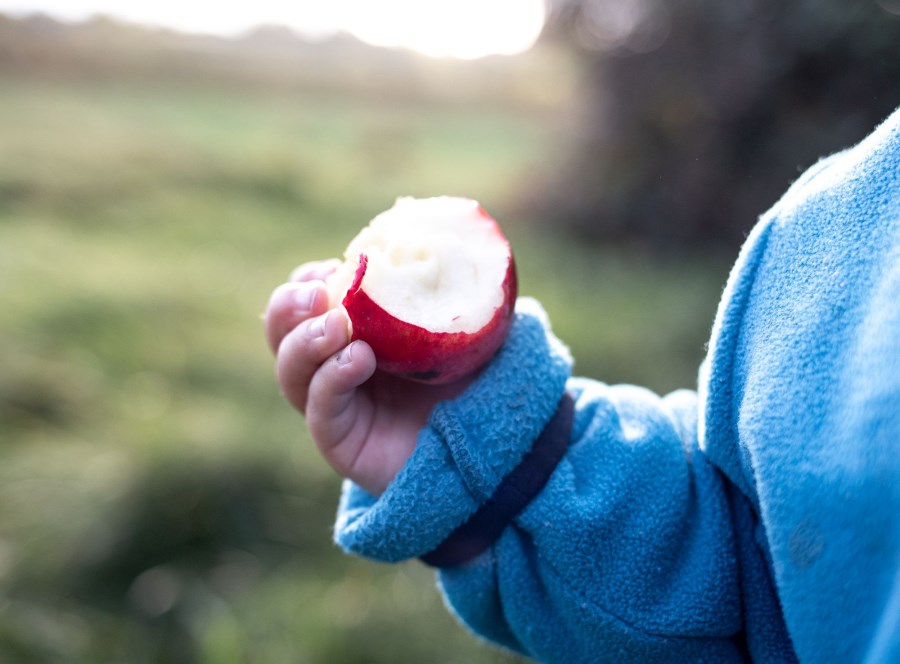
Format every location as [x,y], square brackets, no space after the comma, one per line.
[757,518]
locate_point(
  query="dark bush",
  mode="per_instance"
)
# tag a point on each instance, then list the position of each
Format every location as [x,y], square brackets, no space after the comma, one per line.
[695,116]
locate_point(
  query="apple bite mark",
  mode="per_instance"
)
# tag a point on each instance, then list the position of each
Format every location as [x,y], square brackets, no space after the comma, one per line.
[359,274]
[431,286]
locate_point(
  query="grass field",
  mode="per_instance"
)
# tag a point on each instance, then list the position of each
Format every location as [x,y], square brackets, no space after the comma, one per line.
[158,500]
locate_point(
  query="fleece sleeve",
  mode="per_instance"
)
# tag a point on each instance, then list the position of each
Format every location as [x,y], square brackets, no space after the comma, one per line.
[626,555]
[803,405]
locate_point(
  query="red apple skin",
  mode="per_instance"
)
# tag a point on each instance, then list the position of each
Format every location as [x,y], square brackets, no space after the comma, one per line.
[414,353]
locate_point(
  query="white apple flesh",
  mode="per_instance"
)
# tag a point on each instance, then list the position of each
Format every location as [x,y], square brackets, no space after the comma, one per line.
[430,285]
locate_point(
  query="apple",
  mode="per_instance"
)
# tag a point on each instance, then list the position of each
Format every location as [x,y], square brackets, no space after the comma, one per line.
[430,285]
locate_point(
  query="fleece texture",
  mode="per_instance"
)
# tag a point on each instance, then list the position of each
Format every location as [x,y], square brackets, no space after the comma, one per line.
[466,450]
[513,494]
[754,519]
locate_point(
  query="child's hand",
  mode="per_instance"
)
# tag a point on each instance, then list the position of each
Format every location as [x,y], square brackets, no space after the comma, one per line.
[364,423]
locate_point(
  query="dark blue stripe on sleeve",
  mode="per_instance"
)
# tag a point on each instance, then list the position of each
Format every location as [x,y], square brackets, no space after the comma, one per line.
[516,490]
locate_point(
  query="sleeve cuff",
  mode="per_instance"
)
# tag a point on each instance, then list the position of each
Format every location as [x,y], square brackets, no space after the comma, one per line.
[468,447]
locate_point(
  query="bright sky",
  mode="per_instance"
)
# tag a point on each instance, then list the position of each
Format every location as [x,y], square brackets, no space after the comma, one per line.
[458,28]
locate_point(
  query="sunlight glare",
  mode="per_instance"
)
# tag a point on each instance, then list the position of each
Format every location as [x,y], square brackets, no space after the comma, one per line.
[456,28]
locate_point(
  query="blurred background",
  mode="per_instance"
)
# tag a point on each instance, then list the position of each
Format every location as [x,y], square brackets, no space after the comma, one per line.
[162,169]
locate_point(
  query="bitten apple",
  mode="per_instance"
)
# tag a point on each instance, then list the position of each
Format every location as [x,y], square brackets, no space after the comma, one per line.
[430,285]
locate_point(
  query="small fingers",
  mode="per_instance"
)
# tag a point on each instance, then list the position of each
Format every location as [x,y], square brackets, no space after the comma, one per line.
[302,297]
[305,348]
[314,270]
[291,304]
[338,419]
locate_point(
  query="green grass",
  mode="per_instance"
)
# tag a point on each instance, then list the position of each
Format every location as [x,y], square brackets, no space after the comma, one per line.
[158,500]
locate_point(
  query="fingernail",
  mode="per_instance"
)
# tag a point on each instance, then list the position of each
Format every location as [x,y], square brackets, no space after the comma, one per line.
[304,296]
[345,356]
[317,326]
